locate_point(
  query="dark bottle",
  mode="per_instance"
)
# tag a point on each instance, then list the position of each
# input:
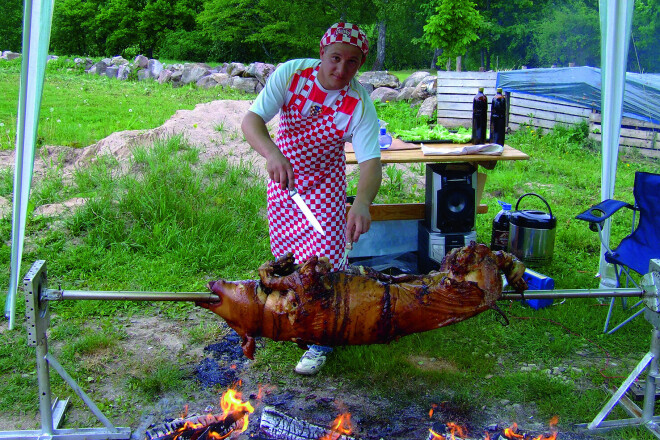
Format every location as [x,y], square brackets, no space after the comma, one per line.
[479,117]
[500,239]
[498,118]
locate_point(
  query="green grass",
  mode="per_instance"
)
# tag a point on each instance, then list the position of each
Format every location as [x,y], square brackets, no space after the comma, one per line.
[79,109]
[173,223]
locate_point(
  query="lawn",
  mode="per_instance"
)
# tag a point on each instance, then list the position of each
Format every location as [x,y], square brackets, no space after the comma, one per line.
[173,223]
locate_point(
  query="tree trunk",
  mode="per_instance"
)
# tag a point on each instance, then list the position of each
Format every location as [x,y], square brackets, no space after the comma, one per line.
[434,61]
[458,63]
[380,52]
[448,65]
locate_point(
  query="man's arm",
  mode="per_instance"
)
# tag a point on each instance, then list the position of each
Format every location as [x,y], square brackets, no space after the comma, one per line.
[359,219]
[277,165]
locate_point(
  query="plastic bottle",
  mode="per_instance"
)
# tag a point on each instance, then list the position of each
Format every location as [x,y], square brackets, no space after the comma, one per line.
[384,138]
[500,238]
[479,117]
[498,118]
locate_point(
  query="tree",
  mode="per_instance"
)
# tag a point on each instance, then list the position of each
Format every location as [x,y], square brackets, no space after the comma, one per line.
[454,26]
[644,56]
[11,23]
[73,29]
[570,33]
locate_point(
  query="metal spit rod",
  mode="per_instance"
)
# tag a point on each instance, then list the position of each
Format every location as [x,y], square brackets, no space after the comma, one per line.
[119,295]
[574,293]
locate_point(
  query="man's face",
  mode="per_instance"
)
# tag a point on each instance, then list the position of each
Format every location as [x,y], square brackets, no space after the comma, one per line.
[339,64]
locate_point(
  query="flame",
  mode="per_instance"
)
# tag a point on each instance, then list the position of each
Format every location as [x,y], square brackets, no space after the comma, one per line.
[433,407]
[553,430]
[512,432]
[436,436]
[487,436]
[231,402]
[454,430]
[340,426]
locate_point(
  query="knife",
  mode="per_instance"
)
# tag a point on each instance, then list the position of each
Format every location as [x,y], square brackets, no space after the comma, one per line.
[293,193]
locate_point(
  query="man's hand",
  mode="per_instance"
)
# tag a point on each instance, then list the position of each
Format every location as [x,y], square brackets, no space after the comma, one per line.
[280,170]
[277,165]
[358,220]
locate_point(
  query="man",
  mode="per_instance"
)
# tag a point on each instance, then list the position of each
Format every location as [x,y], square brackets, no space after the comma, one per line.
[321,106]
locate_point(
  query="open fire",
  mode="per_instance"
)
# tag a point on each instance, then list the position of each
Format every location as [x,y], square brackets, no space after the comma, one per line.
[457,432]
[235,413]
[232,421]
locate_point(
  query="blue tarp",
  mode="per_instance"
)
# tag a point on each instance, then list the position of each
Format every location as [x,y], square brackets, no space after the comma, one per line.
[582,85]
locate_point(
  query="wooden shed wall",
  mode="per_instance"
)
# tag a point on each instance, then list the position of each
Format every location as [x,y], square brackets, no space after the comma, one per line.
[457,89]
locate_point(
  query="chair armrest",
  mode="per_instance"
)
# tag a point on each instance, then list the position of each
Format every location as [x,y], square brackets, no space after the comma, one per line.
[604,210]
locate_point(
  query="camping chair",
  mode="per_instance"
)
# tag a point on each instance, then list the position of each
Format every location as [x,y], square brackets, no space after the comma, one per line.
[635,251]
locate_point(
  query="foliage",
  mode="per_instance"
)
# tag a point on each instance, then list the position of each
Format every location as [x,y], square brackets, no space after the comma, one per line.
[645,36]
[11,23]
[453,27]
[570,33]
[493,34]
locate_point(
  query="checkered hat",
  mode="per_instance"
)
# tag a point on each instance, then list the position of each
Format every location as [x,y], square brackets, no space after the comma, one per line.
[346,33]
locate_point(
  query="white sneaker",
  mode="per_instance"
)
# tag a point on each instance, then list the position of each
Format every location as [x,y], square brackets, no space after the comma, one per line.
[310,362]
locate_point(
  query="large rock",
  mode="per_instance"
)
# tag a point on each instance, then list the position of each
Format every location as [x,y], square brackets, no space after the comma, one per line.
[155,67]
[415,78]
[248,85]
[144,74]
[124,72]
[193,72]
[111,71]
[405,94]
[223,79]
[261,71]
[119,61]
[9,55]
[207,82]
[380,79]
[428,107]
[426,88]
[384,94]
[141,61]
[99,68]
[165,76]
[235,69]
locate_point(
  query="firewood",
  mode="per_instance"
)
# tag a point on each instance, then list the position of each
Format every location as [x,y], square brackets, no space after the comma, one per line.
[279,426]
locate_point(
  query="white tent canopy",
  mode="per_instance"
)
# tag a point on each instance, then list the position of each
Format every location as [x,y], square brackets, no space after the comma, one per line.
[615,16]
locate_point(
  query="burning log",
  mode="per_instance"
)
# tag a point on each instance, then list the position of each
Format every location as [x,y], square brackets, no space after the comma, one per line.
[309,304]
[279,426]
[233,421]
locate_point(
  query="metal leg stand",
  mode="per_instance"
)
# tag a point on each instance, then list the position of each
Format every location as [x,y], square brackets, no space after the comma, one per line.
[650,362]
[38,320]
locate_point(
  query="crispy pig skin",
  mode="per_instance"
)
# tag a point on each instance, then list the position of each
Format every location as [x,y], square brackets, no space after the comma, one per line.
[310,304]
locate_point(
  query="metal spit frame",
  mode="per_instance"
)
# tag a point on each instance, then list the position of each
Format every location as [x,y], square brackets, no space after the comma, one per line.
[51,410]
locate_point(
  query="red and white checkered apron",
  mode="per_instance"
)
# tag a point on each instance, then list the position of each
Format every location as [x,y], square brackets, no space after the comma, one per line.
[315,147]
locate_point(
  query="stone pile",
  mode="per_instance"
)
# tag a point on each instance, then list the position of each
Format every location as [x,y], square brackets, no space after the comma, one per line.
[420,87]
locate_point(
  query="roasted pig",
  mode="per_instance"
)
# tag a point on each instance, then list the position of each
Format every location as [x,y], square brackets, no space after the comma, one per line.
[310,304]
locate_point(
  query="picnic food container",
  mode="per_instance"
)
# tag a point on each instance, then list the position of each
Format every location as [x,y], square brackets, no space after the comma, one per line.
[532,233]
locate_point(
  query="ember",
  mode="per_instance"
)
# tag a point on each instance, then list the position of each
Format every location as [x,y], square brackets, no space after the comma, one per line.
[233,421]
[341,426]
[452,431]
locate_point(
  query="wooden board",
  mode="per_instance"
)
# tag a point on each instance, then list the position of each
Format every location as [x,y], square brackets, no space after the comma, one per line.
[404,211]
[416,156]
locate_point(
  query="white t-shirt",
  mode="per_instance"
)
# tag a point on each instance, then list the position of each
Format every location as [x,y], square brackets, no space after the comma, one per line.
[363,128]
